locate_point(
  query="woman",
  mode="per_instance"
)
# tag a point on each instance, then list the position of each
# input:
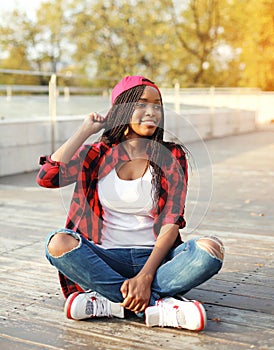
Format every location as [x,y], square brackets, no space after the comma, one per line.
[121,247]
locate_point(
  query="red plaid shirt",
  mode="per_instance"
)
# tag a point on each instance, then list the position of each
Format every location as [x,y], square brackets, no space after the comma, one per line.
[90,163]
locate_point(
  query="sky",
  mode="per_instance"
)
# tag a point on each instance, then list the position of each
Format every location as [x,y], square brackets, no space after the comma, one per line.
[29,6]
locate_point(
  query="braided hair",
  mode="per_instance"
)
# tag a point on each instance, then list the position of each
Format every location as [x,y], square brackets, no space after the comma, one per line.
[118,119]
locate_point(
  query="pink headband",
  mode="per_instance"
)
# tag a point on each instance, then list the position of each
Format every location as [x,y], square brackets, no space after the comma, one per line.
[129,82]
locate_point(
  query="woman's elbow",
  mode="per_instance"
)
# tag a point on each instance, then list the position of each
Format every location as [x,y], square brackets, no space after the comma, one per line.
[43,181]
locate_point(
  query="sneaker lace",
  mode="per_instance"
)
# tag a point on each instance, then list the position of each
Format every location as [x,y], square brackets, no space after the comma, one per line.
[101,306]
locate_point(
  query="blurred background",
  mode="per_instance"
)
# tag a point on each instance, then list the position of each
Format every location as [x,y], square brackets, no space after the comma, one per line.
[59,59]
[201,43]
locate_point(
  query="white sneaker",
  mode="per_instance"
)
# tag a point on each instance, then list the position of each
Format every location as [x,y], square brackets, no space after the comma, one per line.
[170,312]
[80,306]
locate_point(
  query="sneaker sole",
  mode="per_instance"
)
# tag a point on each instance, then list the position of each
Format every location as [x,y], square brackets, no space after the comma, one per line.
[68,304]
[202,315]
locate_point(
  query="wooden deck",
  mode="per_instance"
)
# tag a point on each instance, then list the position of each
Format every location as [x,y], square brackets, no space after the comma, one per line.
[239,300]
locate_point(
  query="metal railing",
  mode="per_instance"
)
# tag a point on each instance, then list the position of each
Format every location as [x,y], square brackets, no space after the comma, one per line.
[234,98]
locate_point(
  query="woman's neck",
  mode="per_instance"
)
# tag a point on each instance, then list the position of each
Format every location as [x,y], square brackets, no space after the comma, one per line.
[135,147]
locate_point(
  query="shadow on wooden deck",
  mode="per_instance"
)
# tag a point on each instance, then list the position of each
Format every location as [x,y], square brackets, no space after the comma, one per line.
[239,300]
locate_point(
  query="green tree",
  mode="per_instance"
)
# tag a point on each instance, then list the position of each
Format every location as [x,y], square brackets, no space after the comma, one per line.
[15,49]
[128,37]
[249,30]
[114,39]
[50,39]
[42,42]
[17,59]
[196,42]
[258,51]
[197,30]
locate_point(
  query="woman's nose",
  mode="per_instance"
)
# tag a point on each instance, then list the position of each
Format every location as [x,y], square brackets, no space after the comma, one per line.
[149,109]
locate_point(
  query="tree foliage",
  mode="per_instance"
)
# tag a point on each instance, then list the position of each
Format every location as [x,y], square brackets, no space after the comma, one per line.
[193,42]
[253,41]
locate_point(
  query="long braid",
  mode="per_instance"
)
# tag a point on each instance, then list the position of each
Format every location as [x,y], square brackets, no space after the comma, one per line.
[156,162]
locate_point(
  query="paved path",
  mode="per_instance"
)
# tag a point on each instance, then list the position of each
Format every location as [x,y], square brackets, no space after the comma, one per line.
[239,300]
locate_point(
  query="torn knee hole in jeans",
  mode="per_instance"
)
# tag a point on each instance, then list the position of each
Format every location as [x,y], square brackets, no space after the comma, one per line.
[59,247]
[212,245]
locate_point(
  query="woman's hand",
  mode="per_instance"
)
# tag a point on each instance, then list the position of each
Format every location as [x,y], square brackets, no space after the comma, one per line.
[93,123]
[136,293]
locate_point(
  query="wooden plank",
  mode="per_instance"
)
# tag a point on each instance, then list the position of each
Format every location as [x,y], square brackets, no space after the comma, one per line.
[253,319]
[102,330]
[8,342]
[112,334]
[242,289]
[232,300]
[257,278]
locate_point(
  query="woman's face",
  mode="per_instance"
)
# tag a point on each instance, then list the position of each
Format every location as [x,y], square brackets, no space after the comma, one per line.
[147,114]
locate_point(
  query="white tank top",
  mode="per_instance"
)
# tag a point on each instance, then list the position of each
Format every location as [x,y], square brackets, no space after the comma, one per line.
[127,211]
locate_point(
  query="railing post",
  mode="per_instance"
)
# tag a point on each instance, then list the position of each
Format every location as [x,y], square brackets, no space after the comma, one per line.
[212,110]
[66,93]
[52,110]
[177,98]
[9,93]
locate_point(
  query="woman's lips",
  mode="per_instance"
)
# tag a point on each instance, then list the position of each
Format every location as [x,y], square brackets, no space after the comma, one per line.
[149,122]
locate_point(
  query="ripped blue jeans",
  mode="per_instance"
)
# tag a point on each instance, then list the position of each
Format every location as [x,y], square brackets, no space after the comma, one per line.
[105,270]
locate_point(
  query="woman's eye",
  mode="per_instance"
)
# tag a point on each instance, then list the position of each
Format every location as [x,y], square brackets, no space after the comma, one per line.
[157,107]
[144,105]
[140,105]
